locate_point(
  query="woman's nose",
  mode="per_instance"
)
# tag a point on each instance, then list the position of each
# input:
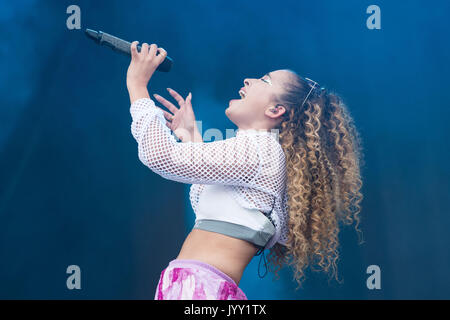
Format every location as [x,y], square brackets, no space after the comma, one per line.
[246,82]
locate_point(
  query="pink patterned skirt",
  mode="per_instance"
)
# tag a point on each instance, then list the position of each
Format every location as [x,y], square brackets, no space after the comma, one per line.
[195,280]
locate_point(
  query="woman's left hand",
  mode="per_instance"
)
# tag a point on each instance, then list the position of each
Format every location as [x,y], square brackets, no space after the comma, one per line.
[181,120]
[143,64]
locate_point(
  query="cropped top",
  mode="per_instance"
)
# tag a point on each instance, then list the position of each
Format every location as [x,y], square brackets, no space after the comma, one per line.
[238,184]
[218,211]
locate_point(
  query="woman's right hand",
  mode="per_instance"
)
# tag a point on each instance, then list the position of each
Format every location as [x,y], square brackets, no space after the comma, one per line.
[180,120]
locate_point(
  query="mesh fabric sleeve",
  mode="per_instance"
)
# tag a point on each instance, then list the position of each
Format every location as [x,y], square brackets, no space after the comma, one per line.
[233,161]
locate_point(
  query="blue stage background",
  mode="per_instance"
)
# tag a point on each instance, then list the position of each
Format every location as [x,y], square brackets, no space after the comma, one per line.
[72,189]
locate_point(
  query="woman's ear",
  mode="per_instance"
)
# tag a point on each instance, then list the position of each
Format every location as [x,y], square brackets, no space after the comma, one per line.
[275,112]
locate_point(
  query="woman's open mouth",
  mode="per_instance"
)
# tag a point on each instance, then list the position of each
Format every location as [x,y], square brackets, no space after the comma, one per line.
[242,93]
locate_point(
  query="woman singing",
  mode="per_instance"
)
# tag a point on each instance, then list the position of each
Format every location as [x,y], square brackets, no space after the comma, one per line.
[284,183]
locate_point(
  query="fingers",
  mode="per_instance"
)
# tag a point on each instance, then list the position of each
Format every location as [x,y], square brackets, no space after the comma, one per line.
[134,51]
[168,116]
[162,55]
[149,51]
[169,105]
[152,52]
[144,50]
[177,97]
[189,100]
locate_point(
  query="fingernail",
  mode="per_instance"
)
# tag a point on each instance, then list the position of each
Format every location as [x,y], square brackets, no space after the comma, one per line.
[190,95]
[169,89]
[155,95]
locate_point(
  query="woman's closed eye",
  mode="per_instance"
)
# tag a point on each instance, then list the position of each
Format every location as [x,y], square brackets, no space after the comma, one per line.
[266,81]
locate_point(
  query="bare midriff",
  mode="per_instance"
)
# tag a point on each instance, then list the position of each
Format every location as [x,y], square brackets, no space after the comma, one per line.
[228,254]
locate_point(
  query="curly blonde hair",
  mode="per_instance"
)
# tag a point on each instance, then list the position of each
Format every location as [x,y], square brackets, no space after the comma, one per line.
[323,157]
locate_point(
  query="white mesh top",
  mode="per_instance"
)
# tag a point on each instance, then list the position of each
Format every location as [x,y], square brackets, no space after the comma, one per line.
[251,165]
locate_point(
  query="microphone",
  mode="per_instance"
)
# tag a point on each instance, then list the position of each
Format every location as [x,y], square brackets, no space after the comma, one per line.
[122,46]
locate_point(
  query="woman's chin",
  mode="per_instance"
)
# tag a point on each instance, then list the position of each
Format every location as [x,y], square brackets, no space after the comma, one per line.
[230,106]
[227,112]
[233,106]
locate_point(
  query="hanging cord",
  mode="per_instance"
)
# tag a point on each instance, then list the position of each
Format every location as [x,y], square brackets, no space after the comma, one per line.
[261,252]
[261,249]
